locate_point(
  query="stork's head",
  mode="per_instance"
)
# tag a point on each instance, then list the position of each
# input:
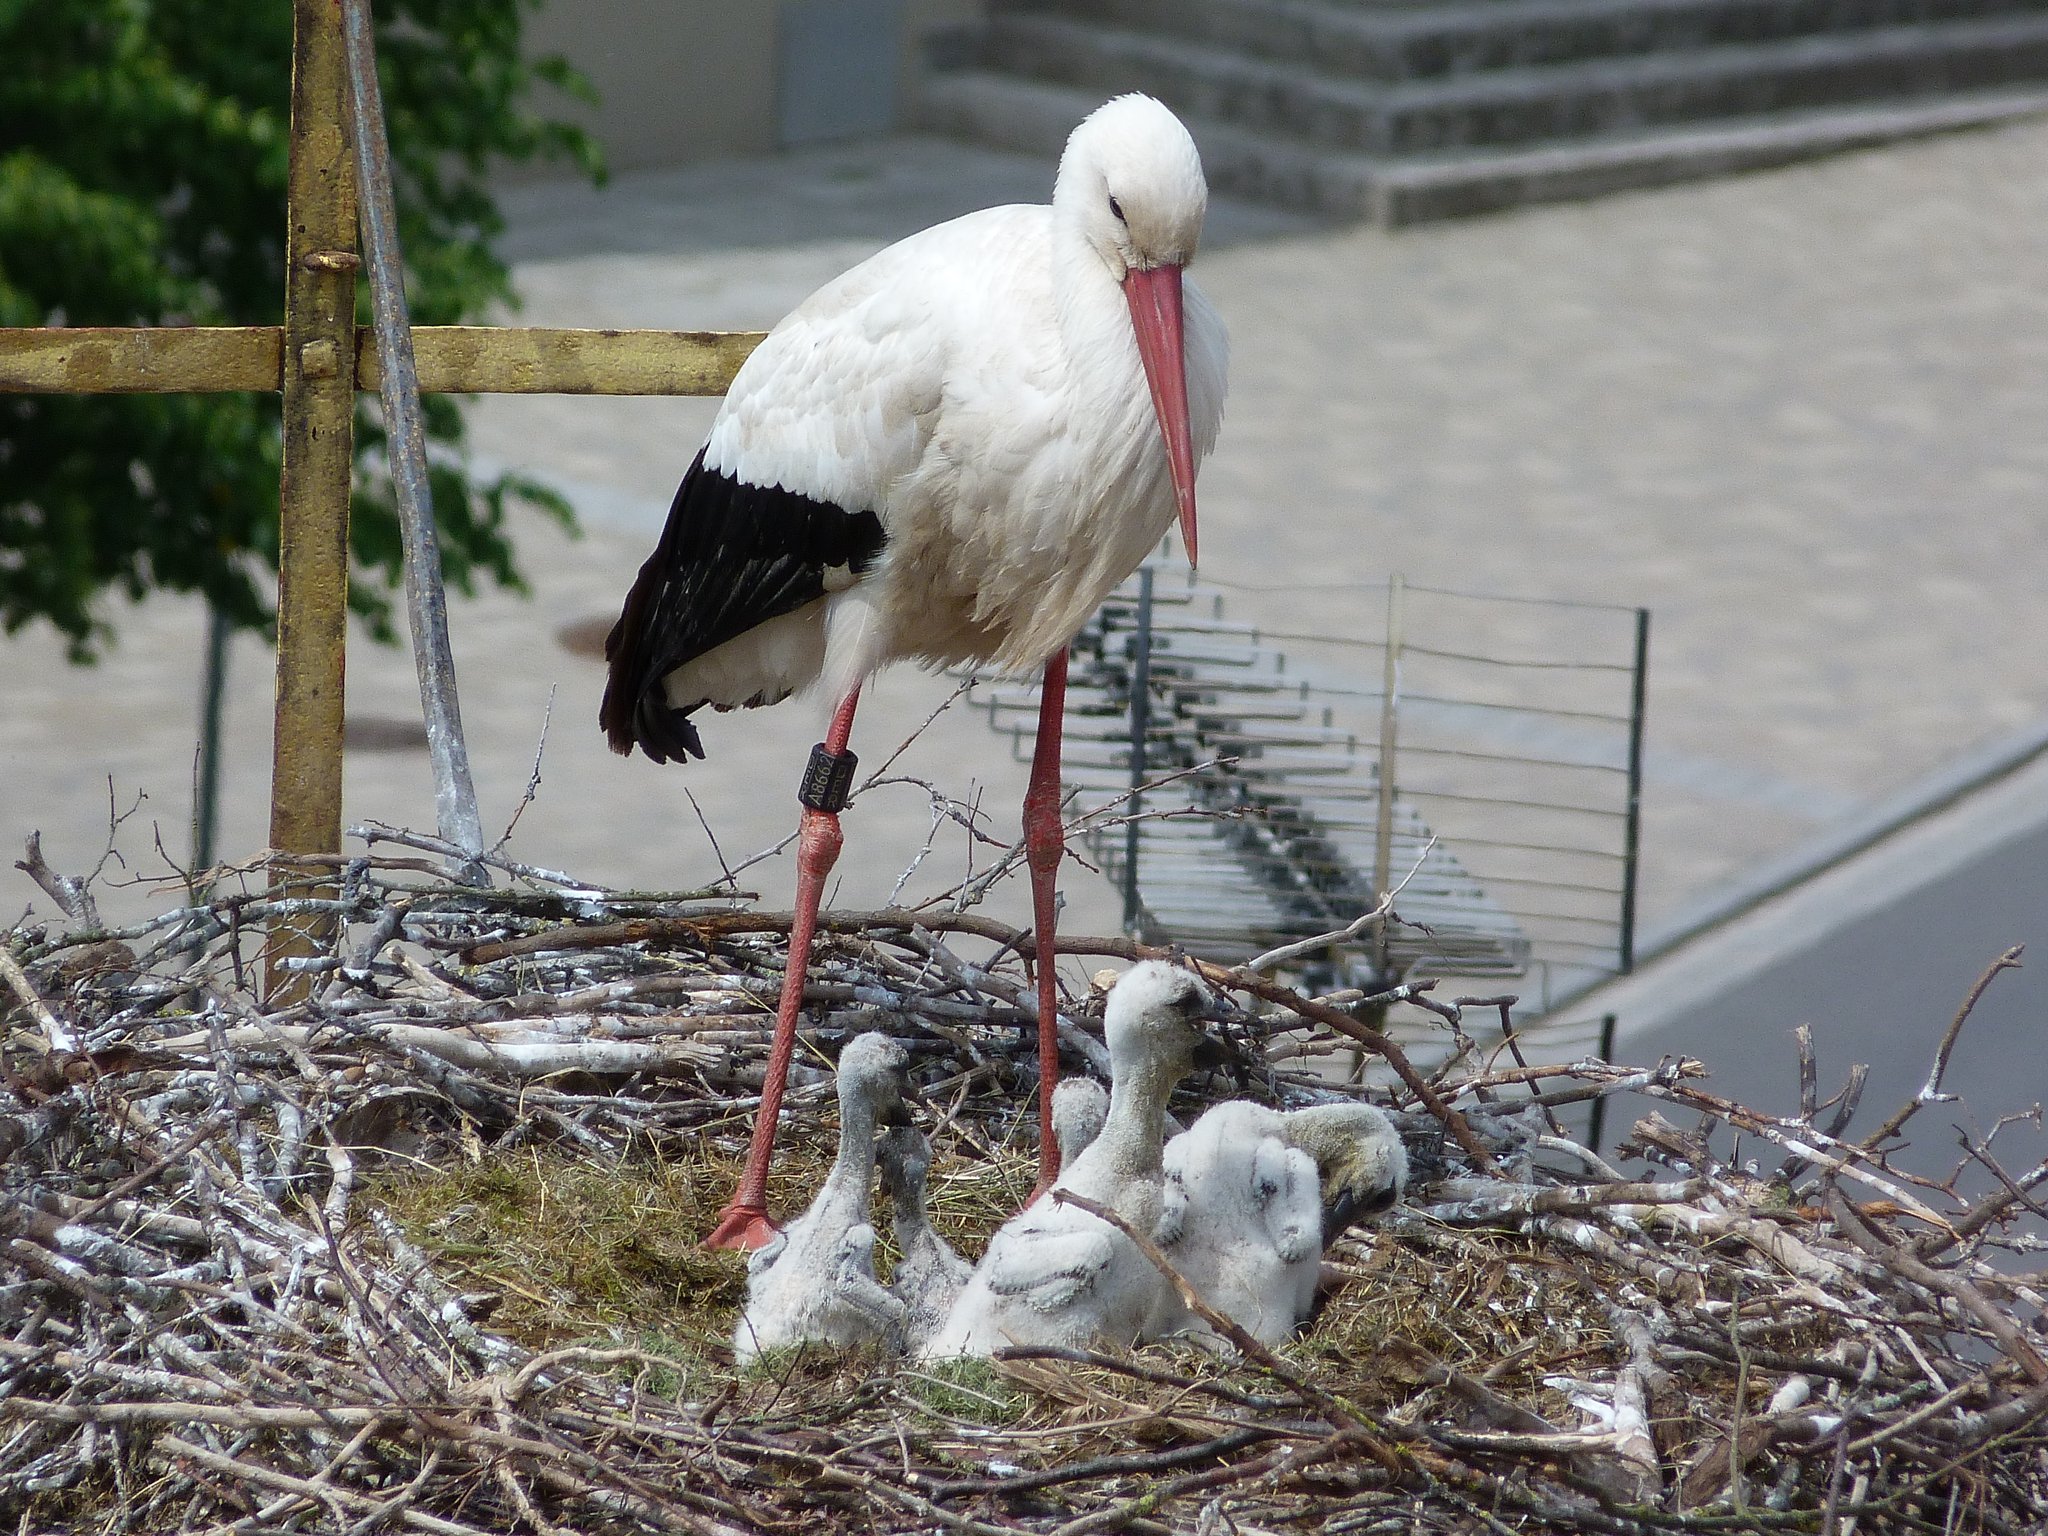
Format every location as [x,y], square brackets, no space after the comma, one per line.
[1079,1107]
[1359,1157]
[1132,180]
[1131,183]
[1155,1014]
[871,1071]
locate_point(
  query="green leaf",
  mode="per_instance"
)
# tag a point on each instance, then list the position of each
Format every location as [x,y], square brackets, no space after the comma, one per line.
[144,148]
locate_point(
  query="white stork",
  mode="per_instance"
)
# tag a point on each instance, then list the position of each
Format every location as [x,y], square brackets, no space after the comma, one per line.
[816,1282]
[1253,1197]
[951,454]
[1054,1273]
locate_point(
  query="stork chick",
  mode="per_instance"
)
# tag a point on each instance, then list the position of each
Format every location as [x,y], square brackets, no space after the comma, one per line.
[1361,1161]
[1079,1107]
[1254,1195]
[815,1282]
[929,1275]
[1054,1274]
[1242,1224]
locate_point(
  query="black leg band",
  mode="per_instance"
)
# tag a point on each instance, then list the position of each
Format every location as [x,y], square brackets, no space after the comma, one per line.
[828,779]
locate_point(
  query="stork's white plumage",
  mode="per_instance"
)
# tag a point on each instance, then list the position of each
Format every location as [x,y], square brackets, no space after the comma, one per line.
[816,1282]
[1054,1273]
[1080,1105]
[950,454]
[1254,1195]
[1242,1222]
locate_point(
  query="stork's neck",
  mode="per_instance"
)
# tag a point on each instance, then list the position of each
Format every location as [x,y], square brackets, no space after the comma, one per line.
[1136,1124]
[1086,295]
[853,1170]
[908,1195]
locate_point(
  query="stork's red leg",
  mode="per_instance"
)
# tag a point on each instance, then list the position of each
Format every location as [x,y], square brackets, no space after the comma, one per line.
[744,1222]
[1045,843]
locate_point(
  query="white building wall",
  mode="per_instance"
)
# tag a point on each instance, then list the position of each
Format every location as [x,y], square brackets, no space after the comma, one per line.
[687,80]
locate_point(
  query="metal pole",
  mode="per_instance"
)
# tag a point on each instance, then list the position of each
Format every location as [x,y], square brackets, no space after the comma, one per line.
[1598,1123]
[426,601]
[319,453]
[206,807]
[1390,696]
[1141,725]
[1632,825]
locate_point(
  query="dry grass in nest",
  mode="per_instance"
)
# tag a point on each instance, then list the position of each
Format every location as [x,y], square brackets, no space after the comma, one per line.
[568,1250]
[1484,1302]
[577,1252]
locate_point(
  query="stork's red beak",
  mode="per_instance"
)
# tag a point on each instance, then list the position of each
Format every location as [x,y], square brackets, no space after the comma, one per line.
[1154,297]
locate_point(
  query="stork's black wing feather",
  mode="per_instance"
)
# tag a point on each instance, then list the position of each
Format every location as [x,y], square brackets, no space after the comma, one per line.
[731,556]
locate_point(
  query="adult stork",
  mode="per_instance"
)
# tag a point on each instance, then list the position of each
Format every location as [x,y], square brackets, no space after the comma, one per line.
[951,454]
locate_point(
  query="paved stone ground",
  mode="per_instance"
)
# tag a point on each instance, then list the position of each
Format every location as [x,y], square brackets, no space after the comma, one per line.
[1797,414]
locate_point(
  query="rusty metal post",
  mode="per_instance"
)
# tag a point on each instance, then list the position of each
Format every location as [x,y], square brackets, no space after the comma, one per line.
[319,455]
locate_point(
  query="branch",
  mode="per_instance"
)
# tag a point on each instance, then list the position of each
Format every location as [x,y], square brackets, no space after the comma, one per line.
[700,930]
[72,895]
[1274,958]
[56,1033]
[2018,1348]
[1930,1091]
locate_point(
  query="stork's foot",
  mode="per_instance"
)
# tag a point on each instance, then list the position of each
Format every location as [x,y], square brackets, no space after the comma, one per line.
[744,1227]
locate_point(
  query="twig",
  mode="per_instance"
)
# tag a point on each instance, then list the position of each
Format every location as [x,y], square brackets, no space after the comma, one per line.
[72,895]
[533,778]
[373,833]
[711,837]
[1272,959]
[1930,1091]
[56,1035]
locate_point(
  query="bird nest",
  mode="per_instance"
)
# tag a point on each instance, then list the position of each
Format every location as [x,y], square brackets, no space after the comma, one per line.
[418,1253]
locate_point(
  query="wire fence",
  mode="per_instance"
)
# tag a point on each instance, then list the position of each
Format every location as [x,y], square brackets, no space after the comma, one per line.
[1230,776]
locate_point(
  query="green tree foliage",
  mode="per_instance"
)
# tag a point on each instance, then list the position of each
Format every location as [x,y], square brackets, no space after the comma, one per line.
[143,152]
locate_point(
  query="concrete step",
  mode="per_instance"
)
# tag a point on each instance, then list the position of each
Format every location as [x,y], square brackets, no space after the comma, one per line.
[1425,188]
[1436,38]
[1036,117]
[1531,105]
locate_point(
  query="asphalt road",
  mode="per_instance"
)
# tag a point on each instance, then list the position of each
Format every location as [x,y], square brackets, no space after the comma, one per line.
[1877,956]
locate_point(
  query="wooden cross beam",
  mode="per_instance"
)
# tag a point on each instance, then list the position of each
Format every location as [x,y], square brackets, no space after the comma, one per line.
[318,361]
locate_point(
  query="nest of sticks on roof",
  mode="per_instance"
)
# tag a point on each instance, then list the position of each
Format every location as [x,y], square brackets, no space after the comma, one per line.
[420,1253]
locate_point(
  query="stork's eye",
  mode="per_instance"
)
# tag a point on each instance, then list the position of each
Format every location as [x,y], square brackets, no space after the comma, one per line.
[1116,208]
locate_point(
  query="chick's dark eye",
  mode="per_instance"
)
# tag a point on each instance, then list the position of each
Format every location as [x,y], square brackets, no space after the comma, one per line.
[1116,209]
